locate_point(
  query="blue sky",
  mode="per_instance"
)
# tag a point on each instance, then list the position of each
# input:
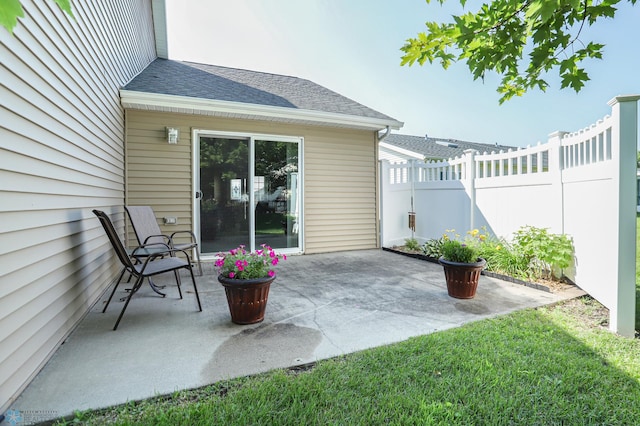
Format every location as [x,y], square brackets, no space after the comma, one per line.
[353,47]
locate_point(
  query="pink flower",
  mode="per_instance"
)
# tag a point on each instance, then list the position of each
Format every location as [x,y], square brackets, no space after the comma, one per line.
[240,264]
[284,257]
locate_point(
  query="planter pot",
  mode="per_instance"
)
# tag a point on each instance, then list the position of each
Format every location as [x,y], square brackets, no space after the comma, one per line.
[462,278]
[247,299]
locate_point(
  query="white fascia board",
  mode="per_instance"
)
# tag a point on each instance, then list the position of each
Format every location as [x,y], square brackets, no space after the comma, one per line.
[181,104]
[402,151]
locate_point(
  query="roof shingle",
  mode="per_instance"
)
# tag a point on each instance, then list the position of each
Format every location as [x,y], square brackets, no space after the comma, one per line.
[440,148]
[218,83]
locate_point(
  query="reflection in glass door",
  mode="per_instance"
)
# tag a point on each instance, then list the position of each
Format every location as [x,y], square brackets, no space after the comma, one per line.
[275,185]
[249,193]
[224,202]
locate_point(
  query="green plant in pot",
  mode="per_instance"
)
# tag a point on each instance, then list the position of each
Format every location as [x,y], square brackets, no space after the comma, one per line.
[246,278]
[462,266]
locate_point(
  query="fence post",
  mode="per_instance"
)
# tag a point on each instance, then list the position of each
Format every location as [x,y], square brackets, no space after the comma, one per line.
[555,173]
[412,213]
[469,180]
[624,137]
[383,181]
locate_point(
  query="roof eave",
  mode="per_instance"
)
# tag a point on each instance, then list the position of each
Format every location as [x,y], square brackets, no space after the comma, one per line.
[402,151]
[198,106]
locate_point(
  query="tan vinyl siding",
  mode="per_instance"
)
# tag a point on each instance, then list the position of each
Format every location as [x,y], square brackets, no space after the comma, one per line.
[340,191]
[159,174]
[61,155]
[339,175]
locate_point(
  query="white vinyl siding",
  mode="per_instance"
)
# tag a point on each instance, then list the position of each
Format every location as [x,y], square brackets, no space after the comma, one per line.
[339,179]
[61,155]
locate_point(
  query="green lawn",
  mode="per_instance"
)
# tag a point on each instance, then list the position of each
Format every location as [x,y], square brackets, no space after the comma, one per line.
[637,272]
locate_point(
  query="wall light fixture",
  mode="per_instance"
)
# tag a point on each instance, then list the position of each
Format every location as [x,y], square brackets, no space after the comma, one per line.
[172,135]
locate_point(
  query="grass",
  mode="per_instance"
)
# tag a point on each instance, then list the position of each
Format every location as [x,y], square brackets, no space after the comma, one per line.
[555,365]
[270,224]
[637,272]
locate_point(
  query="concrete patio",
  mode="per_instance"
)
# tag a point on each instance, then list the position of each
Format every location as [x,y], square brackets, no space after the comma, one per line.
[320,306]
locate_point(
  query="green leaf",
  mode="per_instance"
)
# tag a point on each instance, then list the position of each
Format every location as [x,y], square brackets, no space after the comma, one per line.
[542,10]
[494,38]
[65,5]
[10,11]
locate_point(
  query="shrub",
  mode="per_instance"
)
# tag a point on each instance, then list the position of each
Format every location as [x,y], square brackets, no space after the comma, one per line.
[433,247]
[412,244]
[502,258]
[546,254]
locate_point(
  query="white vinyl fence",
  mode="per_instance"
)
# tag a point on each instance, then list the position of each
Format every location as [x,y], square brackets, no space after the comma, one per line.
[582,184]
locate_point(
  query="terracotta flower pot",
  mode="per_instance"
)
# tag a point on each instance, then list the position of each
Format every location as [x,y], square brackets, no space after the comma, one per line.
[462,278]
[247,299]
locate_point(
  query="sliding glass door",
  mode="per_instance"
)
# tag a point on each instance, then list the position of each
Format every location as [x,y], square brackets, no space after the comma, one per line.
[224,200]
[275,185]
[248,192]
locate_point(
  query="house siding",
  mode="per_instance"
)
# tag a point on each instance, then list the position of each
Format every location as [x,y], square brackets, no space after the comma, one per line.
[340,175]
[61,155]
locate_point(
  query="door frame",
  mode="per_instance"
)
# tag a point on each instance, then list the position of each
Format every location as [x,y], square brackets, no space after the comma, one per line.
[251,137]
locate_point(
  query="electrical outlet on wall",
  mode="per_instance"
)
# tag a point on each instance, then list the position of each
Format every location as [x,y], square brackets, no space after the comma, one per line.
[170,220]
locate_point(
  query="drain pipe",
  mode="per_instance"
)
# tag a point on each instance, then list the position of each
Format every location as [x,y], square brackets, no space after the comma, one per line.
[386,133]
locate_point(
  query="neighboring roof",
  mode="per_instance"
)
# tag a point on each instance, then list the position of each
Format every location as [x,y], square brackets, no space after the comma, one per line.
[186,87]
[436,148]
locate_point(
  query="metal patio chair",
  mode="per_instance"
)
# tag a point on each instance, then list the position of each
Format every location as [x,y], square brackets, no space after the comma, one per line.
[147,231]
[155,262]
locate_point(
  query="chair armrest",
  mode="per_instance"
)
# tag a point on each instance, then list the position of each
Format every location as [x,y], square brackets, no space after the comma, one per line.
[151,250]
[163,253]
[191,234]
[165,237]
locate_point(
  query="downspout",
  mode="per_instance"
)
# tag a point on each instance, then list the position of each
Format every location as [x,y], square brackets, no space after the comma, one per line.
[380,138]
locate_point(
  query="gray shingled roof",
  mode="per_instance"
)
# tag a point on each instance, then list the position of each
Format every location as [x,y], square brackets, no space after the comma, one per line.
[446,148]
[218,83]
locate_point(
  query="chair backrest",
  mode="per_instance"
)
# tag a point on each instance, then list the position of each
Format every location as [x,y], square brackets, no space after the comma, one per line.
[114,239]
[144,223]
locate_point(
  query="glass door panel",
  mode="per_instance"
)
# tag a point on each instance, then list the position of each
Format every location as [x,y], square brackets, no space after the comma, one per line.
[224,203]
[276,194]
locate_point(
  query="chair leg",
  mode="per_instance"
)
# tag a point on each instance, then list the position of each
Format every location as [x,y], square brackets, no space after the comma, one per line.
[122,275]
[175,272]
[135,288]
[195,288]
[115,286]
[156,288]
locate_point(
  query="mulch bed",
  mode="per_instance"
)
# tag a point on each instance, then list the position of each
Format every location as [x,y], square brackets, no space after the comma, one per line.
[544,285]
